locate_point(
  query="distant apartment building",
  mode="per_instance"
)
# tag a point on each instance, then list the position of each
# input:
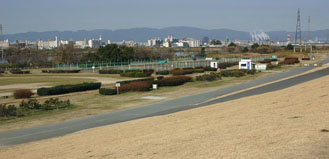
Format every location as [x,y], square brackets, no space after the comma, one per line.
[192,42]
[81,44]
[95,43]
[155,42]
[171,39]
[4,44]
[48,44]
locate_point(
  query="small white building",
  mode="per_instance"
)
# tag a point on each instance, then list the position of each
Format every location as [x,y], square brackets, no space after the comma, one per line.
[246,64]
[214,64]
[261,67]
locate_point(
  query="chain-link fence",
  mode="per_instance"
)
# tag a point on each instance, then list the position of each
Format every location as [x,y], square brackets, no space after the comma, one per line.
[157,65]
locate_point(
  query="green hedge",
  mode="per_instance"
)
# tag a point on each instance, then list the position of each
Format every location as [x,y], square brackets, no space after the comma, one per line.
[210,69]
[107,91]
[110,71]
[173,81]
[198,70]
[209,77]
[162,73]
[60,71]
[135,74]
[62,89]
[19,72]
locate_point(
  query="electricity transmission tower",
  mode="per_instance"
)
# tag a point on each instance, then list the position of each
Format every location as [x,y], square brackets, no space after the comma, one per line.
[298,36]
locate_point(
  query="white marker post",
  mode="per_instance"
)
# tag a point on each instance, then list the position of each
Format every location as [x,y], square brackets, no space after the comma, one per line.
[93,68]
[117,85]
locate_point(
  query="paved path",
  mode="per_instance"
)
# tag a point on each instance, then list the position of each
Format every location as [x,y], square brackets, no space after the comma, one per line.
[161,108]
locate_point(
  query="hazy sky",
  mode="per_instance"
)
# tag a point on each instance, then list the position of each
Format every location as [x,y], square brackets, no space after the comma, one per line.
[246,15]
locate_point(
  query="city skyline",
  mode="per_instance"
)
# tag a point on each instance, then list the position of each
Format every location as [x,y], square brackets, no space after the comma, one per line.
[18,16]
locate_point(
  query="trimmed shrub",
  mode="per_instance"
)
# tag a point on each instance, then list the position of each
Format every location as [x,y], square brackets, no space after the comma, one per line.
[23,93]
[60,71]
[210,69]
[251,72]
[173,81]
[140,86]
[62,89]
[188,68]
[271,66]
[162,73]
[30,104]
[134,74]
[136,80]
[306,58]
[19,72]
[233,73]
[209,77]
[107,91]
[227,64]
[160,77]
[55,103]
[198,70]
[110,71]
[8,111]
[182,72]
[49,104]
[289,61]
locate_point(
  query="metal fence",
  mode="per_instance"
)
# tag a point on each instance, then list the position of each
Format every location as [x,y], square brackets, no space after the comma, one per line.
[152,64]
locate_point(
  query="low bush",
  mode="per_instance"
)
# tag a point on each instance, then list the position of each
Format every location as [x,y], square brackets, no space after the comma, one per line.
[23,93]
[251,72]
[8,110]
[306,58]
[198,70]
[182,72]
[49,104]
[55,103]
[139,86]
[107,91]
[160,77]
[60,71]
[30,104]
[2,71]
[266,61]
[136,80]
[110,71]
[162,73]
[227,64]
[135,74]
[19,72]
[62,89]
[289,61]
[271,67]
[173,81]
[210,69]
[233,73]
[209,77]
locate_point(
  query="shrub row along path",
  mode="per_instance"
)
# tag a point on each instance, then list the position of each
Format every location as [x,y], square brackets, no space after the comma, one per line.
[166,107]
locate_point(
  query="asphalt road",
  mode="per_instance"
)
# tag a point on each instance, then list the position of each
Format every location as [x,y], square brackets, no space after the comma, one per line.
[161,108]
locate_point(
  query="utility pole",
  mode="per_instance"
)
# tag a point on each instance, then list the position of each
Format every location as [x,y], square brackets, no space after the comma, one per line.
[309,29]
[298,36]
[1,49]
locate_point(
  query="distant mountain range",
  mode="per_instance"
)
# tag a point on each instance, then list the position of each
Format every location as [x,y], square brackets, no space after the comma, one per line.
[144,34]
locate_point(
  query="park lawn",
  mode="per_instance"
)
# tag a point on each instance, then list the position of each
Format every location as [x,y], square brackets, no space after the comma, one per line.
[51,81]
[92,103]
